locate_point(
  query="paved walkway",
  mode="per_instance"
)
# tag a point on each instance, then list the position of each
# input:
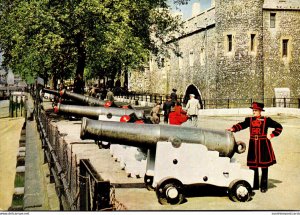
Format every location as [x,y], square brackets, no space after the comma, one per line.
[10,129]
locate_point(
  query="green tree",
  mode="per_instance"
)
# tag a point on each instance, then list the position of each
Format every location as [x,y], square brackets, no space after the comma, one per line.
[62,38]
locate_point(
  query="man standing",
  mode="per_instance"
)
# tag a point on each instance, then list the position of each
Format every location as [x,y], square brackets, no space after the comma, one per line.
[167,109]
[110,95]
[260,152]
[192,108]
[173,96]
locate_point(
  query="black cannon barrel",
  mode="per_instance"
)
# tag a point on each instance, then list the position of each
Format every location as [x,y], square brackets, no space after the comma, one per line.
[84,99]
[147,136]
[94,112]
[53,92]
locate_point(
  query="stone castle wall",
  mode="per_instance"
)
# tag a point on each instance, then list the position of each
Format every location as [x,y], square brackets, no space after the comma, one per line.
[254,66]
[281,71]
[239,71]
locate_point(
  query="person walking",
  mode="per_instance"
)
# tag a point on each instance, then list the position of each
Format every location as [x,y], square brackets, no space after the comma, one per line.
[192,108]
[167,109]
[260,152]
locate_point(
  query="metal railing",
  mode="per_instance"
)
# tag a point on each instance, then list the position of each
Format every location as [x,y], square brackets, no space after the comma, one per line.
[78,187]
[94,191]
[292,102]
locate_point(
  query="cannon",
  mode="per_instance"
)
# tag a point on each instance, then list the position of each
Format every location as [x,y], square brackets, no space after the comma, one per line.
[179,156]
[81,98]
[95,112]
[53,92]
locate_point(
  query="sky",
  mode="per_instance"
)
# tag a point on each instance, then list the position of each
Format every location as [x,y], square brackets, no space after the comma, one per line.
[187,9]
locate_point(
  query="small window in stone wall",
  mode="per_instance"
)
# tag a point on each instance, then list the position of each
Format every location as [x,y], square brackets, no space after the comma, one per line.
[285,44]
[272,20]
[252,42]
[180,64]
[191,58]
[202,56]
[229,42]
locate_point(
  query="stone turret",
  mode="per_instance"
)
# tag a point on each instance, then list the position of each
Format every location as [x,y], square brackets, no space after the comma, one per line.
[196,8]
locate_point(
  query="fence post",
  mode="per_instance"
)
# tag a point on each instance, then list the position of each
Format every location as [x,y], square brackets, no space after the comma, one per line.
[274,102]
[227,103]
[284,102]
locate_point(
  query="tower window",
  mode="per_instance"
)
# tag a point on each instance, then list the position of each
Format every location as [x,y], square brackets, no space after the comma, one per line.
[229,42]
[180,64]
[272,20]
[285,44]
[252,44]
[191,58]
[202,57]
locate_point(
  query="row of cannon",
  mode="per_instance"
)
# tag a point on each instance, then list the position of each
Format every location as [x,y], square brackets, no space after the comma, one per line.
[169,157]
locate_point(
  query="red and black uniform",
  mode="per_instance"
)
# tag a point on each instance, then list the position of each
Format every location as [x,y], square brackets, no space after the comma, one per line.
[260,152]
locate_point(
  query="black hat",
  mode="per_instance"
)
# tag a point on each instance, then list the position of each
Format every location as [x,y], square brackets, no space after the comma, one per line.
[257,106]
[174,90]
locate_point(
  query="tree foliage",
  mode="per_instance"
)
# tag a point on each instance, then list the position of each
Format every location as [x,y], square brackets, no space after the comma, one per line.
[62,38]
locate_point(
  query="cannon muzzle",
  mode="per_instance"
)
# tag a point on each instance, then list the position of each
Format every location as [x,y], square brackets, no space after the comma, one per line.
[147,136]
[94,112]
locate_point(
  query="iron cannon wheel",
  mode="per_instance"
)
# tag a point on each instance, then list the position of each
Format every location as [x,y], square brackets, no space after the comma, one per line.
[148,182]
[170,191]
[239,191]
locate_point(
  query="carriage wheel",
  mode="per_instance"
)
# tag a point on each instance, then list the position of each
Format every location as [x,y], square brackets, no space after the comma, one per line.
[239,191]
[170,191]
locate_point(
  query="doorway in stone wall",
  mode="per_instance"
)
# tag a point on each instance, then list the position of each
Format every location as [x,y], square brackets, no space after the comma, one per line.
[192,89]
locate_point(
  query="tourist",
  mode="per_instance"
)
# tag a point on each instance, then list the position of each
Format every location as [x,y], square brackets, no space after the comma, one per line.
[167,108]
[155,114]
[192,108]
[173,96]
[110,95]
[177,115]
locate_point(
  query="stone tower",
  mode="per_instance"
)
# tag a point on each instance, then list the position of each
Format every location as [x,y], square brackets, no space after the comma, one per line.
[239,61]
[196,8]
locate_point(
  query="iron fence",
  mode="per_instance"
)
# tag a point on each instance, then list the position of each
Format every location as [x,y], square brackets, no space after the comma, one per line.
[79,187]
[292,102]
